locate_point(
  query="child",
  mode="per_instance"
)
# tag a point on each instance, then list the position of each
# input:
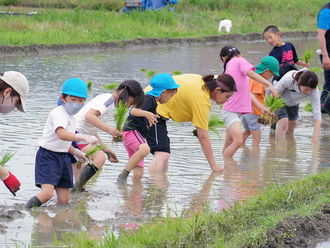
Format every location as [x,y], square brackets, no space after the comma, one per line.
[140,120]
[53,169]
[240,102]
[294,87]
[14,89]
[94,116]
[268,67]
[283,52]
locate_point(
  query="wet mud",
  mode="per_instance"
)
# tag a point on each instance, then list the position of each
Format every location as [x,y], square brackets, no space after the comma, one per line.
[145,43]
[299,231]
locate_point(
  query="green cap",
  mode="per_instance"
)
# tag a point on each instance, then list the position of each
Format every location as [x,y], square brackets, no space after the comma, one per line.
[269,63]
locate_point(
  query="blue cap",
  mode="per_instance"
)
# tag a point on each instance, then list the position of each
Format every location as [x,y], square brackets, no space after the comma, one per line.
[161,82]
[75,87]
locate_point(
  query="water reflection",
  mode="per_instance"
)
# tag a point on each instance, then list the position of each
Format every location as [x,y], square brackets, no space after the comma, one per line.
[187,185]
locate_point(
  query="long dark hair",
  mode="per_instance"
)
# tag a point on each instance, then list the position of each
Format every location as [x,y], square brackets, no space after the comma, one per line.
[307,78]
[225,81]
[229,52]
[131,88]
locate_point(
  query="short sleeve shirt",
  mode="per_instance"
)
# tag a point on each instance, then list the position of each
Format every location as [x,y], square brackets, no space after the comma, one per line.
[240,101]
[260,90]
[190,103]
[323,22]
[285,54]
[103,103]
[141,124]
[58,117]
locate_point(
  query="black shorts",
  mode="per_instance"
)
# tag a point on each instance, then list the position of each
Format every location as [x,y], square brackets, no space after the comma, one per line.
[288,112]
[157,138]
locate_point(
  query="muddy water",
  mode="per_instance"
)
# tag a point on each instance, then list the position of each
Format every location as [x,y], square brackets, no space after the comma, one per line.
[188,183]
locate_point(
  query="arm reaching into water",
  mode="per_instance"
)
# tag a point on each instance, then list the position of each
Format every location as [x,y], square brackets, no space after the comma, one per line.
[204,139]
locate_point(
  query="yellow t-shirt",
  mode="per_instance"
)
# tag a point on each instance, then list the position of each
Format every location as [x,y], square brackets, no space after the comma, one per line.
[190,103]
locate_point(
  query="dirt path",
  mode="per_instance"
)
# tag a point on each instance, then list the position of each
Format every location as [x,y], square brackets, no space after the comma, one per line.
[144,43]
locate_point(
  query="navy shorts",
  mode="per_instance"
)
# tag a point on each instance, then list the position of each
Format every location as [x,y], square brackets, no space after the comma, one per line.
[292,113]
[72,158]
[157,138]
[53,168]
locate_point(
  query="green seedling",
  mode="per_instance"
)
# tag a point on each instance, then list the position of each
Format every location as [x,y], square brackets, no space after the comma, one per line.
[6,157]
[110,86]
[93,149]
[176,73]
[89,84]
[144,70]
[150,74]
[214,123]
[308,107]
[274,104]
[307,56]
[120,116]
[315,69]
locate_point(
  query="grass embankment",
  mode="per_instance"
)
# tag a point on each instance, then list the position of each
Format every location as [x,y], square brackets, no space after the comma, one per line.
[97,21]
[243,223]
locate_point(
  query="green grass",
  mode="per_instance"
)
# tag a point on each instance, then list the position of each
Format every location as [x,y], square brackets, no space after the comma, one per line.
[190,19]
[244,222]
[176,73]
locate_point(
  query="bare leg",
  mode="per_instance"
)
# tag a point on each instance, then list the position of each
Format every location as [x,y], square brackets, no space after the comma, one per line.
[291,126]
[236,136]
[63,195]
[282,127]
[246,134]
[47,191]
[256,138]
[159,161]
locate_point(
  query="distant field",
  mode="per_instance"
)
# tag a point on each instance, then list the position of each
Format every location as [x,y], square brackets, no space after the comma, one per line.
[87,21]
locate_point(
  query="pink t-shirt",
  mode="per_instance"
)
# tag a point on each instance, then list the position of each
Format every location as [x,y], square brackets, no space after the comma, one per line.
[240,102]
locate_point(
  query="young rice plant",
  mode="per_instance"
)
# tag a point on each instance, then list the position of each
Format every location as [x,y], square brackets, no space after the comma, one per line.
[274,104]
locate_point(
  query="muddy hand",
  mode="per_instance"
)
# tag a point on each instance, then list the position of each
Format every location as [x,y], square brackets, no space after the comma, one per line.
[114,132]
[12,183]
[112,157]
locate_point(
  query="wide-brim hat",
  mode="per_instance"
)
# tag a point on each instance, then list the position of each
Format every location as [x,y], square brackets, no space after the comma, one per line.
[20,84]
[161,82]
[270,63]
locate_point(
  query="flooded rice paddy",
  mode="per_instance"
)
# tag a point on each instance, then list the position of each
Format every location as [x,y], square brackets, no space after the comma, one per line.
[185,187]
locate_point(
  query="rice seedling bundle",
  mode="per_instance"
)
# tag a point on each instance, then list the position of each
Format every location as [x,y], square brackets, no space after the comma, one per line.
[176,73]
[150,74]
[6,157]
[90,152]
[308,107]
[89,84]
[307,55]
[214,123]
[144,70]
[315,69]
[274,104]
[120,116]
[111,86]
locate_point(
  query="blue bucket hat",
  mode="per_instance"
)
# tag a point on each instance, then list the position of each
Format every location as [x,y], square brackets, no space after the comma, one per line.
[75,87]
[161,82]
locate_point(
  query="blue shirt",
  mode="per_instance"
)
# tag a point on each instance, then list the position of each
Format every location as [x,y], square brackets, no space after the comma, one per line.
[323,22]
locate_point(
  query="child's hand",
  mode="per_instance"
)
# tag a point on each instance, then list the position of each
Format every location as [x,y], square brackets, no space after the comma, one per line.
[12,183]
[315,140]
[307,65]
[112,156]
[266,110]
[114,132]
[152,118]
[272,89]
[90,139]
[80,155]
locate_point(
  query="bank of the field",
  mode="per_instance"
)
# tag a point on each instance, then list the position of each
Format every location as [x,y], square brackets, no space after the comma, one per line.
[249,223]
[191,19]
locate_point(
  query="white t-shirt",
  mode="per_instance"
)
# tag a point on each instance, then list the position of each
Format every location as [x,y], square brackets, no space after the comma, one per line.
[103,103]
[58,117]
